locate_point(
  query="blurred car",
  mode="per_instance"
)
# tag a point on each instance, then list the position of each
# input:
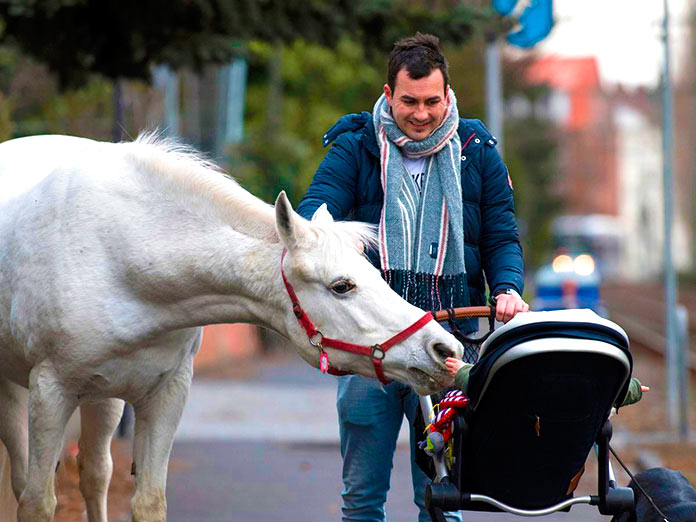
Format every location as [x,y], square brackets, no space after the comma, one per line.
[569,281]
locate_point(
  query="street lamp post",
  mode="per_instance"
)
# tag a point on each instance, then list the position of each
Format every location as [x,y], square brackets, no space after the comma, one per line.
[672,348]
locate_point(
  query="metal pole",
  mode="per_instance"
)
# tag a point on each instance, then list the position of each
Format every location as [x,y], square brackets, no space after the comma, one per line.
[671,350]
[230,110]
[426,405]
[168,81]
[682,317]
[234,110]
[494,89]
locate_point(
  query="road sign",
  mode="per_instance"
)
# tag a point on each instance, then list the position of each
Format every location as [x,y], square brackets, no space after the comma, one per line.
[504,7]
[535,22]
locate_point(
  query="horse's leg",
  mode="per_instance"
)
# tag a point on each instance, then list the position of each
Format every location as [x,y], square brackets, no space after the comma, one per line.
[50,408]
[13,430]
[156,420]
[98,423]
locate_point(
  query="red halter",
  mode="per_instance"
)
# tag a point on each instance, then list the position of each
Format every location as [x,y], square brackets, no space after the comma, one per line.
[317,339]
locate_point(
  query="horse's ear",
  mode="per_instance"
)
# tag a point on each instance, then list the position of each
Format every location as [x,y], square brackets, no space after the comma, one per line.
[322,215]
[288,223]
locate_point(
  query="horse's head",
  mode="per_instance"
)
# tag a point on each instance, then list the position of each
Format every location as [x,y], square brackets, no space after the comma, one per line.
[345,298]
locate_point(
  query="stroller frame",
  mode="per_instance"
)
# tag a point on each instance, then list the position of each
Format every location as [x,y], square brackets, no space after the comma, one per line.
[444,494]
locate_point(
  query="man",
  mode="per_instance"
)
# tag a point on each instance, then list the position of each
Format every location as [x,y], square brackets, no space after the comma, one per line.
[442,198]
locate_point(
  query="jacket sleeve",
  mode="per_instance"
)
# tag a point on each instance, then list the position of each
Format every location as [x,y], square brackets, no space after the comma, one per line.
[334,182]
[501,252]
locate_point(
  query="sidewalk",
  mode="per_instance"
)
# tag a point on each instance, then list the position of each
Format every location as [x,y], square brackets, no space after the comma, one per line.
[289,402]
[267,449]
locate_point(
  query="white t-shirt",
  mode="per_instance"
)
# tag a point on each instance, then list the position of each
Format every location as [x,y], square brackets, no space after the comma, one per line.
[416,167]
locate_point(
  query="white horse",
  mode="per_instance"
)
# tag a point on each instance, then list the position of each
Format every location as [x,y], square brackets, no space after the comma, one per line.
[112,256]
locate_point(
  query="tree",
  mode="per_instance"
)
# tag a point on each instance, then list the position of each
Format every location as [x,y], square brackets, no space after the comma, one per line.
[283,140]
[123,39]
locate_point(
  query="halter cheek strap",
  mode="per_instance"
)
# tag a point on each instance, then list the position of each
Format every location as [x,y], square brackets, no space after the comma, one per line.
[317,339]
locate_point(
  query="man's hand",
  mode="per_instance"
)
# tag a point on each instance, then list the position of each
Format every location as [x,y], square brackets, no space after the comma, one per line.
[507,306]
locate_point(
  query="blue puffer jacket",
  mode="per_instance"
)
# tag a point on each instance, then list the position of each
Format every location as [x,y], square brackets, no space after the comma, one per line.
[348,181]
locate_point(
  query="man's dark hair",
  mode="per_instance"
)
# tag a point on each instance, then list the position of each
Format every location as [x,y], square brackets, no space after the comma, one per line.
[419,54]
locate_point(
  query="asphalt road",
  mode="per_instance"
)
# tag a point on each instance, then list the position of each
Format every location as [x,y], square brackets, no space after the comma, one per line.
[266,450]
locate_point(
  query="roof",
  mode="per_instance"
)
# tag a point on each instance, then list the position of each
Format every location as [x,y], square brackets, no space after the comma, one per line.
[569,74]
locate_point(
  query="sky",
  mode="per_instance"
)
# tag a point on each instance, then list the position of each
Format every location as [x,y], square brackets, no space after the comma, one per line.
[625,36]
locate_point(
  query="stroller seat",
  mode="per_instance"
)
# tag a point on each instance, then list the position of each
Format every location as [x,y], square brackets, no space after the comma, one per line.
[540,398]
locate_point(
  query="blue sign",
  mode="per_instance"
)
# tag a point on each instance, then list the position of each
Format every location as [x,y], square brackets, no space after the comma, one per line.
[504,7]
[536,23]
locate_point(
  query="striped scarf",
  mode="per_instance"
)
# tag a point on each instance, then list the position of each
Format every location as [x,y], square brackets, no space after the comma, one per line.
[421,235]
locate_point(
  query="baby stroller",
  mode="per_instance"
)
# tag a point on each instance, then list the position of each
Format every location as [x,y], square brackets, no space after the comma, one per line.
[540,396]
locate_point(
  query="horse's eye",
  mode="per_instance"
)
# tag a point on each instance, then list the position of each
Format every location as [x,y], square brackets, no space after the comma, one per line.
[342,286]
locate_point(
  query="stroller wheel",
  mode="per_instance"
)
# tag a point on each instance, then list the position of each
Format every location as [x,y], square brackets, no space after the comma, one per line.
[441,496]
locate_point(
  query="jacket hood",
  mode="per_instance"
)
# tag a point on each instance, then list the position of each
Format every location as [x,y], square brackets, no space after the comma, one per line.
[353,123]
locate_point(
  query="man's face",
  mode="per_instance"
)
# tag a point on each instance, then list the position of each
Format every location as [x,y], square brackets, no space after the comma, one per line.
[418,106]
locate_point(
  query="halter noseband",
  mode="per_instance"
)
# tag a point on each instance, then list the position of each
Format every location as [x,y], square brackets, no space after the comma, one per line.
[317,339]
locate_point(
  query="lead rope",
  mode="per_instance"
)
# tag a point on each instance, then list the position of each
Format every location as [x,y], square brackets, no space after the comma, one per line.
[652,502]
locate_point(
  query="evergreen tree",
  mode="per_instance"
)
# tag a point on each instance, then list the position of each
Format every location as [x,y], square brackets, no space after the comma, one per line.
[124,38]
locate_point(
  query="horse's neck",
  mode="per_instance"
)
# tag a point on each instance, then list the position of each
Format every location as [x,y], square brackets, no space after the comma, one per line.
[212,275]
[215,261]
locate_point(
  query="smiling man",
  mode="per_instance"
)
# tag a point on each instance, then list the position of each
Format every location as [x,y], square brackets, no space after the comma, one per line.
[417,105]
[441,197]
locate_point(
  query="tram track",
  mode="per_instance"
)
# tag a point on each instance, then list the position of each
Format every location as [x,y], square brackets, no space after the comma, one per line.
[640,310]
[647,337]
[649,433]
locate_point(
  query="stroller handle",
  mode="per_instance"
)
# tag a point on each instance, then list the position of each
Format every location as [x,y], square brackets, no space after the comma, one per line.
[464,312]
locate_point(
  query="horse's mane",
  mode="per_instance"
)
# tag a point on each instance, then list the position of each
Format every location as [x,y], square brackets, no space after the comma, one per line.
[356,231]
[182,168]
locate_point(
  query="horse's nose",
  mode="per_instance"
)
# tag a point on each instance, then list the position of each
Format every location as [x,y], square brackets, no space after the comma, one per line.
[440,351]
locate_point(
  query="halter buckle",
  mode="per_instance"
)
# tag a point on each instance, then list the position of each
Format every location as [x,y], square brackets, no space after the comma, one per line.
[317,339]
[377,352]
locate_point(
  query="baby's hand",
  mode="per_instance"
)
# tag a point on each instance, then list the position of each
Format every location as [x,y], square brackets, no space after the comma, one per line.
[453,365]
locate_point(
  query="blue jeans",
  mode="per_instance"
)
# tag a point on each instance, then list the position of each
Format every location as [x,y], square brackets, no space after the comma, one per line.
[370,416]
